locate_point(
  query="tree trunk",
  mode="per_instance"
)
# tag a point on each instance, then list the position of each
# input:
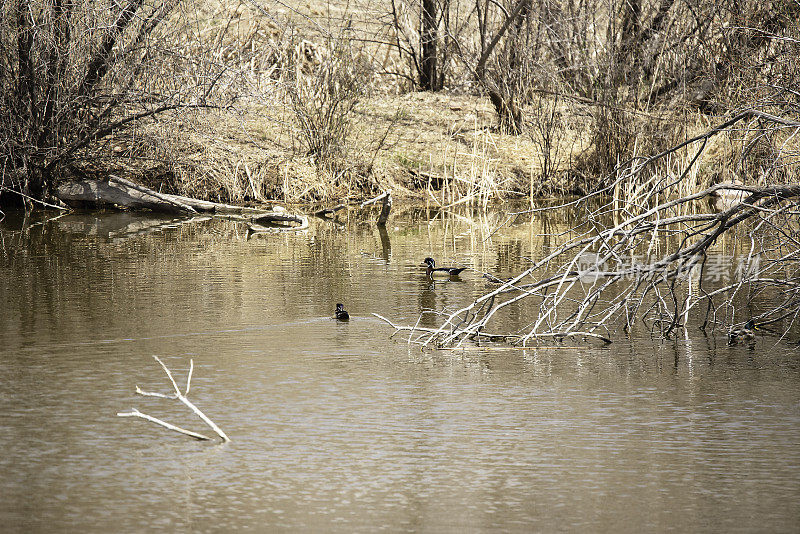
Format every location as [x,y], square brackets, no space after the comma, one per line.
[428,75]
[508,112]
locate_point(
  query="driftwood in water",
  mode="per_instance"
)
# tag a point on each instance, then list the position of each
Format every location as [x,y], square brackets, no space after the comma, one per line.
[386,197]
[116,191]
[181,397]
[119,192]
[385,209]
[325,212]
[424,333]
[277,222]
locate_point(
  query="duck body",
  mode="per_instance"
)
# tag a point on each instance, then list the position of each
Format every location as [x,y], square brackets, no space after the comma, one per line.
[341,314]
[432,269]
[745,333]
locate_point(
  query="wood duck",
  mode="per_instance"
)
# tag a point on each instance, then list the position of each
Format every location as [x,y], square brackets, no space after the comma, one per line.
[432,268]
[745,333]
[341,314]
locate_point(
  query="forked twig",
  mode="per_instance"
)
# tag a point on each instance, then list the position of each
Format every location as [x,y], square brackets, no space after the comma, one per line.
[181,397]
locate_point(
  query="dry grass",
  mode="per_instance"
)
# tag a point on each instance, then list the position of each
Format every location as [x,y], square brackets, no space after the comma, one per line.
[441,147]
[445,147]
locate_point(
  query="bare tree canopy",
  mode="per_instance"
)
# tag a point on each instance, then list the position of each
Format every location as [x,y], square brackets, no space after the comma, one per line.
[572,89]
[74,74]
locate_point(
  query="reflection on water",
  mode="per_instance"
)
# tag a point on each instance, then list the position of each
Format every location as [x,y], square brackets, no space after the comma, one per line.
[334,426]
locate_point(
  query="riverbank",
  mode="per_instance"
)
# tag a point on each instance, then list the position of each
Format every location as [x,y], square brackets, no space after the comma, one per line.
[443,147]
[320,103]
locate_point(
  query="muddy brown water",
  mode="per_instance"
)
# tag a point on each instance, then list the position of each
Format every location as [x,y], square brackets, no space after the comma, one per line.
[335,427]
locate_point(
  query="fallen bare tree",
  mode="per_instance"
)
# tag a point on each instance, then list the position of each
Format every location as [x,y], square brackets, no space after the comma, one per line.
[647,256]
[181,397]
[121,193]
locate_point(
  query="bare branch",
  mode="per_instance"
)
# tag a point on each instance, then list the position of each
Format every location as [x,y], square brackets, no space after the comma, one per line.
[181,397]
[136,413]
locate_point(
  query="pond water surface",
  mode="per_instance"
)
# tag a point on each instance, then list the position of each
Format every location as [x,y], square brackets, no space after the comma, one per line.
[335,427]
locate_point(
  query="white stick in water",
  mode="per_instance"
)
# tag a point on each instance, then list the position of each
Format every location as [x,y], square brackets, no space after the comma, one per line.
[181,397]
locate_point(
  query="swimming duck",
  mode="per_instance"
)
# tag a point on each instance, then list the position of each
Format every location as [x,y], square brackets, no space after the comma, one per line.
[432,268]
[341,314]
[745,333]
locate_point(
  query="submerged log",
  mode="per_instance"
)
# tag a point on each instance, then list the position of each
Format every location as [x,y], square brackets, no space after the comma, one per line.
[325,212]
[386,208]
[277,223]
